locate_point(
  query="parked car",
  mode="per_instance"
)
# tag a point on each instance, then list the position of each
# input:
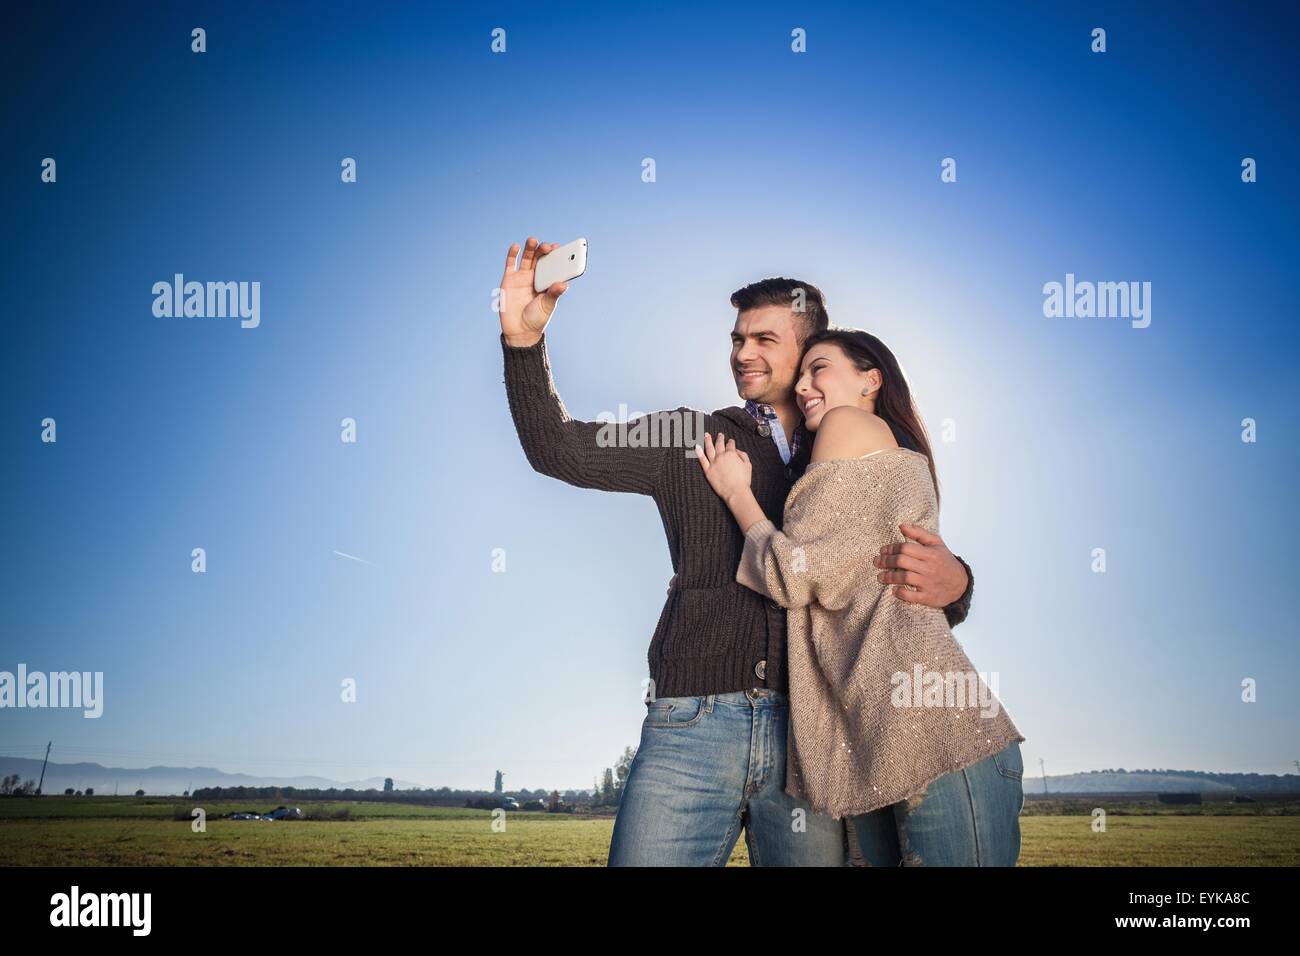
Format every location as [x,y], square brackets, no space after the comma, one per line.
[279,813]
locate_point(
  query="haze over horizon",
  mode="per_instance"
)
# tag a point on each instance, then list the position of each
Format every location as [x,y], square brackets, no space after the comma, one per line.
[167,781]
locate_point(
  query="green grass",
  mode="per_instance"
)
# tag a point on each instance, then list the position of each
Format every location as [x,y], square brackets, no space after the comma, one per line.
[128,831]
[141,832]
[1161,840]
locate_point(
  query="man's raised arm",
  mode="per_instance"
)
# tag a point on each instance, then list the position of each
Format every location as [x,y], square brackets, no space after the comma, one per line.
[586,454]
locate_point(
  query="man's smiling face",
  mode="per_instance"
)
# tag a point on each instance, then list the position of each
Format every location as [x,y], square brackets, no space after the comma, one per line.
[765,353]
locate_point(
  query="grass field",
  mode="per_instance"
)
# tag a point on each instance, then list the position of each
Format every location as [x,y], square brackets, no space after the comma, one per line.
[130,831]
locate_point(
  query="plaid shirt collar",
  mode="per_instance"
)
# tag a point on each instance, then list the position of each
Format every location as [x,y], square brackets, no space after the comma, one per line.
[765,414]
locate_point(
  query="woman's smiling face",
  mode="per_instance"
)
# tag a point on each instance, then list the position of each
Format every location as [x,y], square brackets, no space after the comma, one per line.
[827,378]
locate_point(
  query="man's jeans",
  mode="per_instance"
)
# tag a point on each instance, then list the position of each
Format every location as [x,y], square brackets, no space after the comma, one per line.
[970,817]
[707,766]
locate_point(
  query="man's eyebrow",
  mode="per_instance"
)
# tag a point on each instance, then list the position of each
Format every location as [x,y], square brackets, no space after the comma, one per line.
[758,334]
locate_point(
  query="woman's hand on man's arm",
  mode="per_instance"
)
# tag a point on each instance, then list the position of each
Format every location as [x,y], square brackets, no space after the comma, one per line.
[729,473]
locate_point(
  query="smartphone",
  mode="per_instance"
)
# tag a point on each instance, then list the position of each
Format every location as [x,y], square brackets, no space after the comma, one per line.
[560,265]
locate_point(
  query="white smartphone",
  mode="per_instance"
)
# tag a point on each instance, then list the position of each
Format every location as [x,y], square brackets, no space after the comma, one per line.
[560,265]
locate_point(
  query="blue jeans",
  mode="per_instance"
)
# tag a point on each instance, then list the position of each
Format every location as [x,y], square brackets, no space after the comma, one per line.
[705,767]
[970,817]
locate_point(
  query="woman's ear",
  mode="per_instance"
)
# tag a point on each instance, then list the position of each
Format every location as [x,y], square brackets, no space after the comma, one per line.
[872,382]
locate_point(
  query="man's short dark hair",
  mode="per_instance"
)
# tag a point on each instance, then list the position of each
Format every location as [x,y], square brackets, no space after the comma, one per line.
[792,293]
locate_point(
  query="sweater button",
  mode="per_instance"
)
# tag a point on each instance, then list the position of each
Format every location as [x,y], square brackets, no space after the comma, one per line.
[760,670]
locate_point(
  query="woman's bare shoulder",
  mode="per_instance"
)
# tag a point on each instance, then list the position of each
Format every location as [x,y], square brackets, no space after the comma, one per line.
[849,432]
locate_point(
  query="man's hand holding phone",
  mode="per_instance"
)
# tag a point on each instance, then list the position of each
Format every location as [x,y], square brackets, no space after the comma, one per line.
[525,311]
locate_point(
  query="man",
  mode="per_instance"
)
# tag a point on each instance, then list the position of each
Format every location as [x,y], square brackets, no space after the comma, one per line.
[712,753]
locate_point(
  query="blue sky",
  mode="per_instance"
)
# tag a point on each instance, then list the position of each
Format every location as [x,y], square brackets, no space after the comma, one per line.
[1071,434]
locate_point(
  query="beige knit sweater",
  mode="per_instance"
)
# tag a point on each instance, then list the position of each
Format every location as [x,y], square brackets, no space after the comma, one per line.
[882,698]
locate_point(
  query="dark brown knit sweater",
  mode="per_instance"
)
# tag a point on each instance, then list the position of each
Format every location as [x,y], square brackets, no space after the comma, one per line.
[714,634]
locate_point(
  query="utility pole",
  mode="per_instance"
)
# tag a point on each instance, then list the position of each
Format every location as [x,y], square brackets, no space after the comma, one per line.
[47,760]
[1042,767]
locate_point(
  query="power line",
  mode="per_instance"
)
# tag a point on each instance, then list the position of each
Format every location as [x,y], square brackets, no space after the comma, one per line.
[43,766]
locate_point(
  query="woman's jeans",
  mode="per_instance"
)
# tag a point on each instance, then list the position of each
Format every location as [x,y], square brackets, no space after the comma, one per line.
[970,817]
[709,765]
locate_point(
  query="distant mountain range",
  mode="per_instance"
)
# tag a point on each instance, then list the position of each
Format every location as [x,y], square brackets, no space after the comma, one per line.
[1164,781]
[162,781]
[159,781]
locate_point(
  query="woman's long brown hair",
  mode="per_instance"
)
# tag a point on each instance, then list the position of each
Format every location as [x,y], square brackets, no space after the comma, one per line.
[894,402]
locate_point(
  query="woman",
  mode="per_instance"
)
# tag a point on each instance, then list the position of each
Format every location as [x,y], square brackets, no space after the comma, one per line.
[890,725]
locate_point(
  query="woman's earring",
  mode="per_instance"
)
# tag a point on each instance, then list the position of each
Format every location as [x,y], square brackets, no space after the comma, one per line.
[866,391]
